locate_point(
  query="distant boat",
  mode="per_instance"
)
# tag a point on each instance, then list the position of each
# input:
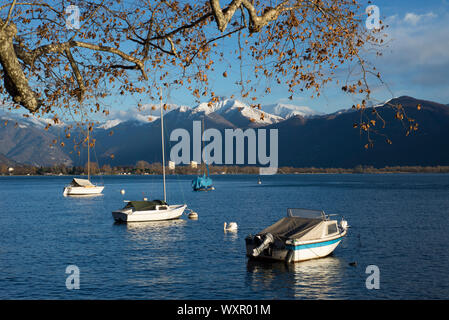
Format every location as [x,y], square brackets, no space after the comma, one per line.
[83,187]
[204,182]
[156,210]
[303,235]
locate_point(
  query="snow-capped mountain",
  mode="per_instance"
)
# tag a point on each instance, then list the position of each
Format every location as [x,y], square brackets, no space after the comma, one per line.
[23,140]
[304,141]
[232,111]
[238,113]
[288,110]
[28,120]
[139,115]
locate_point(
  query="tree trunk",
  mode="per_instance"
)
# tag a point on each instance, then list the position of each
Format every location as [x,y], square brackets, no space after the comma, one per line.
[14,79]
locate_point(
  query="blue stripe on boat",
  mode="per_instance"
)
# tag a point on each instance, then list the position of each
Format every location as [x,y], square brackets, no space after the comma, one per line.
[312,245]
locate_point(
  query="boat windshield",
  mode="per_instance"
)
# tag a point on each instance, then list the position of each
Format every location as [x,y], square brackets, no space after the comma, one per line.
[306,213]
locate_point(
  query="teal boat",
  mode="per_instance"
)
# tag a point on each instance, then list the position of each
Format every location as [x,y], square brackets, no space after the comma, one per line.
[204,182]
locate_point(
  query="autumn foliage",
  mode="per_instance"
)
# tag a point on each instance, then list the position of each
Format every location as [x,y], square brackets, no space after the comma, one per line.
[136,47]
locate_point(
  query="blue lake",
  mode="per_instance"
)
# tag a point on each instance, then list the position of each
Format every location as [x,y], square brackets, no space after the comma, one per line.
[399,222]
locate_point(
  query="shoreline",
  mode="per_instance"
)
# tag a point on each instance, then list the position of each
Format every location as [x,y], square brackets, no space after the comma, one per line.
[224,174]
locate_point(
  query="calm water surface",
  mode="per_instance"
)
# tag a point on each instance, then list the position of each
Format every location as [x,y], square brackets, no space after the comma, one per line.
[398,222]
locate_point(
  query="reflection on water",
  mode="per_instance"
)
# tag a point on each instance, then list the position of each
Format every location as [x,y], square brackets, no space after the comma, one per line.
[162,232]
[312,279]
[153,249]
[154,225]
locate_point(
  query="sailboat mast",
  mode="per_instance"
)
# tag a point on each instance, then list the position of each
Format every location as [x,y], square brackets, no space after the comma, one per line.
[88,155]
[204,151]
[163,152]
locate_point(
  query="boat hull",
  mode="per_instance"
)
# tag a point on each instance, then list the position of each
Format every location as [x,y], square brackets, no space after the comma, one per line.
[296,252]
[173,212]
[79,191]
[204,189]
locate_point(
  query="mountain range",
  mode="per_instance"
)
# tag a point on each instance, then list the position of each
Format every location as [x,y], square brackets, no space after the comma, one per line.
[305,138]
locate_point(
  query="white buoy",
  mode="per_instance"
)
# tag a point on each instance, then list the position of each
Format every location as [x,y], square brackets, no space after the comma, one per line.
[122,191]
[232,226]
[193,215]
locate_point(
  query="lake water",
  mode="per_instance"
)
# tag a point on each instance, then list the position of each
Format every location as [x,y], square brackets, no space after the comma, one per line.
[399,222]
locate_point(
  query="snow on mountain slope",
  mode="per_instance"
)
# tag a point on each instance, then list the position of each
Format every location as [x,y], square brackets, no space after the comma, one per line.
[288,110]
[145,114]
[238,113]
[28,120]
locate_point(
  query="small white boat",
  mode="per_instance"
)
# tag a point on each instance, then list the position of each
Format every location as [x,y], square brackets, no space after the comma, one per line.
[156,210]
[83,187]
[80,187]
[303,235]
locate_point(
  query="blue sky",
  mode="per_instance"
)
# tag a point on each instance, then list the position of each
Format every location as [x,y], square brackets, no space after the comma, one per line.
[416,60]
[415,63]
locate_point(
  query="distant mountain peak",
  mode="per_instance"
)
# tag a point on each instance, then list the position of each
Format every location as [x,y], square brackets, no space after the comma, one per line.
[237,112]
[286,111]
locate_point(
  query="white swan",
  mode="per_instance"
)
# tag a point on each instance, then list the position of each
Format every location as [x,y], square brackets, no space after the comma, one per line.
[232,226]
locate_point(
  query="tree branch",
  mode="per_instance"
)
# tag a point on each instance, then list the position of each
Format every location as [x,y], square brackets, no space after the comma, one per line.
[79,78]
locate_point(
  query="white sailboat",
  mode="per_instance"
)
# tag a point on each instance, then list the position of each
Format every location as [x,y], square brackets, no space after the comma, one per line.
[156,210]
[83,187]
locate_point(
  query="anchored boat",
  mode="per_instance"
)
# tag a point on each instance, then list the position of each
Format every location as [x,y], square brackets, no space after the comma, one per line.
[302,235]
[83,187]
[79,187]
[204,182]
[156,210]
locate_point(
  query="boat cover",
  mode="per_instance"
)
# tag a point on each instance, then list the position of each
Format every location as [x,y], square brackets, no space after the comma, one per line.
[76,182]
[201,182]
[293,228]
[145,205]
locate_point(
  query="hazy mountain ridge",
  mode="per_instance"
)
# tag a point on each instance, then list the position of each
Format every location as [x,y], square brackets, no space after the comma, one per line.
[308,140]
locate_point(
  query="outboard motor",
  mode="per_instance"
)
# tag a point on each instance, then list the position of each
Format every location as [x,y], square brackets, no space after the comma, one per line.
[268,239]
[344,224]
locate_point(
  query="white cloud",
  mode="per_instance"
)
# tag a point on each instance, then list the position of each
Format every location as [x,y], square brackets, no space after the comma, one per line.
[417,56]
[414,19]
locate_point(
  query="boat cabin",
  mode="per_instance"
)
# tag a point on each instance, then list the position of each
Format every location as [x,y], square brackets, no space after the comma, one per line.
[147,205]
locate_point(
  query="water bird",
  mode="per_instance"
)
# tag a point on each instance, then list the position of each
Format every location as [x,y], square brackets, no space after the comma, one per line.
[232,226]
[353,264]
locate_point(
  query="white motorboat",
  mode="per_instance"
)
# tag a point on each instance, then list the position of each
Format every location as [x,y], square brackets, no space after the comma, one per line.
[303,235]
[83,187]
[156,210]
